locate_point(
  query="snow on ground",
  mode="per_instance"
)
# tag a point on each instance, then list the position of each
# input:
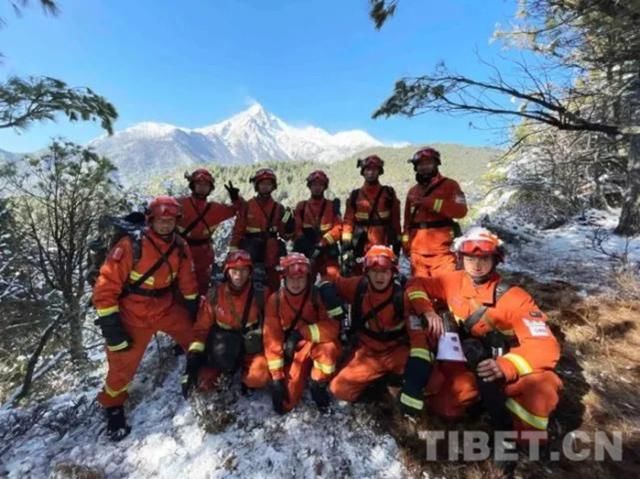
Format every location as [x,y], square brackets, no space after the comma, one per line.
[570,254]
[167,440]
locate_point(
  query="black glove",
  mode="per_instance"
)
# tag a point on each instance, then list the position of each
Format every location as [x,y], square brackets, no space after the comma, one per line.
[195,360]
[279,395]
[416,376]
[348,261]
[316,252]
[290,344]
[192,307]
[113,332]
[234,193]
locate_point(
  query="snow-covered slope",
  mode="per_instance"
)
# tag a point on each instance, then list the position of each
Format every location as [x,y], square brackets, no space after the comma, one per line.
[167,440]
[251,136]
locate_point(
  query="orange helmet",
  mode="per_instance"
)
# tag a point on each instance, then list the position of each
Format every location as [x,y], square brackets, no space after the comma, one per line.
[200,175]
[380,257]
[264,174]
[237,259]
[479,241]
[371,161]
[318,175]
[166,206]
[295,265]
[423,154]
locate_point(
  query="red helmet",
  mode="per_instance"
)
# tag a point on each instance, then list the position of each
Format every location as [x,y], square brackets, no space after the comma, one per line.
[371,161]
[264,174]
[295,265]
[380,257]
[164,206]
[237,259]
[200,175]
[318,175]
[479,241]
[425,153]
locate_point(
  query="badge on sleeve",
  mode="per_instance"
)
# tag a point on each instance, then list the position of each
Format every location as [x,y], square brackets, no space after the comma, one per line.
[536,328]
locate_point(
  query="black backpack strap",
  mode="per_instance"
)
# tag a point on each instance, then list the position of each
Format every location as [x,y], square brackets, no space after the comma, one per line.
[474,317]
[298,315]
[164,257]
[356,307]
[376,201]
[195,222]
[398,298]
[247,308]
[258,297]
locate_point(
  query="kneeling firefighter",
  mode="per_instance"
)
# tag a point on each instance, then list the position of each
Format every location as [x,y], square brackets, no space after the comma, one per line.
[228,331]
[510,351]
[300,337]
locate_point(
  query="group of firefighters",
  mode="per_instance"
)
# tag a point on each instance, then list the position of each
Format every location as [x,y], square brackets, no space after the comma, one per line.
[343,318]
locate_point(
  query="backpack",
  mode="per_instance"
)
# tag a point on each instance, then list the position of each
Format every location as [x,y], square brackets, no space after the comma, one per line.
[112,229]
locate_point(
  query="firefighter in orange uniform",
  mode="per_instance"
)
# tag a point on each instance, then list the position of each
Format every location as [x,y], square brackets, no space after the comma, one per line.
[511,353]
[431,207]
[386,335]
[262,227]
[300,338]
[134,300]
[372,215]
[235,312]
[200,218]
[318,227]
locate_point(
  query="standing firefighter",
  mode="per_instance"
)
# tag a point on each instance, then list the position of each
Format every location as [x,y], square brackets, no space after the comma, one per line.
[300,338]
[262,227]
[135,297]
[386,335]
[200,219]
[429,213]
[372,215]
[510,351]
[318,227]
[228,331]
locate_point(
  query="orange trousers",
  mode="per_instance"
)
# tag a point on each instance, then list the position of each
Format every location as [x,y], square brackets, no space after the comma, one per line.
[317,360]
[531,399]
[364,367]
[122,365]
[255,374]
[203,262]
[427,266]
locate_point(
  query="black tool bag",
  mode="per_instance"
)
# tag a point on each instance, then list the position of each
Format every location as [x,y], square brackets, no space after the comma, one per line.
[225,349]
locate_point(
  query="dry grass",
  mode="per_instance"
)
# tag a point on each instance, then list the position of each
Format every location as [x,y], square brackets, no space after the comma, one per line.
[600,369]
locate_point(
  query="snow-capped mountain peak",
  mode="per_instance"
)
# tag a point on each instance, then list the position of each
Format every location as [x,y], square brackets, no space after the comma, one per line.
[250,136]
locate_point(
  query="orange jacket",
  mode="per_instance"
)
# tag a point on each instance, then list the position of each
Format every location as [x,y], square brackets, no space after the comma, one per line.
[515,314]
[118,270]
[388,209]
[192,207]
[445,202]
[314,325]
[253,218]
[226,313]
[307,216]
[386,320]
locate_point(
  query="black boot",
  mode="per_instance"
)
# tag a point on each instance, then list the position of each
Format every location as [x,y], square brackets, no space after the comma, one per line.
[117,428]
[320,394]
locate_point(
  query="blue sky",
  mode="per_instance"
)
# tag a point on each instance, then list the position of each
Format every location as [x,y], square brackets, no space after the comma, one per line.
[195,62]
